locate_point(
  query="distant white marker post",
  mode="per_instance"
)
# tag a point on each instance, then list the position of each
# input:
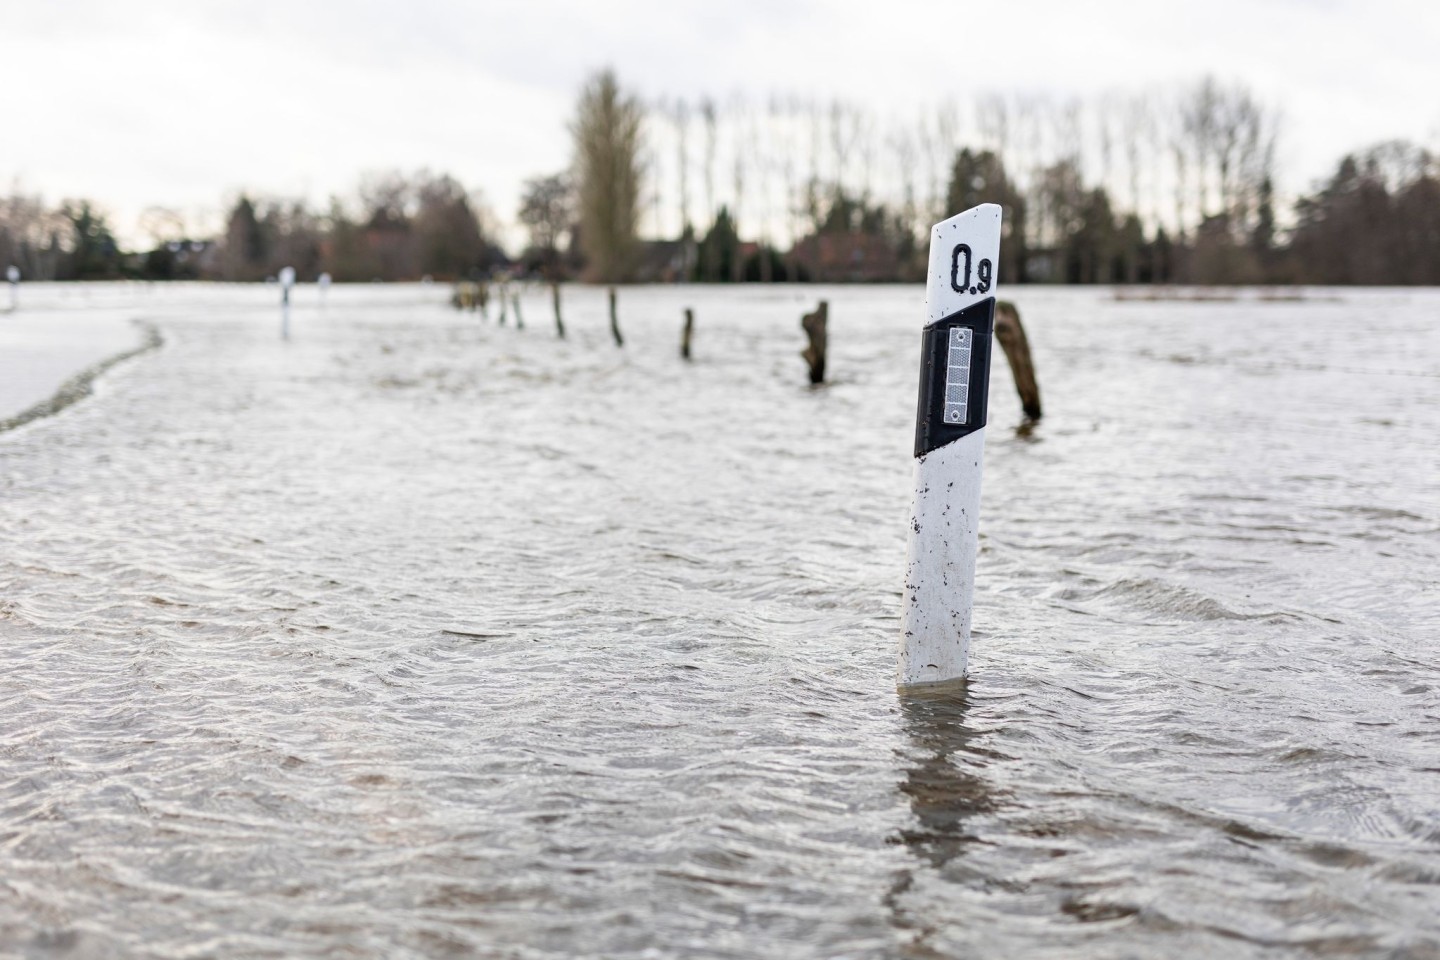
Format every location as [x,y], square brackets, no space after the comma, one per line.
[323,281]
[12,273]
[287,281]
[949,447]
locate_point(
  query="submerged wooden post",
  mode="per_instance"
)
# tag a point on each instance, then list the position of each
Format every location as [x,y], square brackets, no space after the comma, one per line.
[686,333]
[559,323]
[949,447]
[1016,345]
[463,296]
[815,327]
[615,321]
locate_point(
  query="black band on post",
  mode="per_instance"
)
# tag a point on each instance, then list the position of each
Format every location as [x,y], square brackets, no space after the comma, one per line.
[954,376]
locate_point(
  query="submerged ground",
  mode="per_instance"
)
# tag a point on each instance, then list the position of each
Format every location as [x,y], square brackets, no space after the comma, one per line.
[417,636]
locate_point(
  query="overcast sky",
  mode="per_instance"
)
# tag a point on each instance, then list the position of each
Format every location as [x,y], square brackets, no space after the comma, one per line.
[184,102]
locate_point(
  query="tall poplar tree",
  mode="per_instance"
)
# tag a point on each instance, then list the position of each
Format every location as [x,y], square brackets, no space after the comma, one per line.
[607,166]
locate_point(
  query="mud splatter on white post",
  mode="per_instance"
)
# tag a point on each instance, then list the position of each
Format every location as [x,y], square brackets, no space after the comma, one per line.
[287,281]
[949,447]
[12,274]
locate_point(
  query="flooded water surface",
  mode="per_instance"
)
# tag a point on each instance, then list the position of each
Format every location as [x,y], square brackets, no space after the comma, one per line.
[421,636]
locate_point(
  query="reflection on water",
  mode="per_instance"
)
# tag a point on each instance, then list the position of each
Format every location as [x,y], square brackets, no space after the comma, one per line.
[942,772]
[945,788]
[416,636]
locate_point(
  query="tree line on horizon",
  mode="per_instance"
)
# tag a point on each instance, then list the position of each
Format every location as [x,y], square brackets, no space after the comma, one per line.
[1125,189]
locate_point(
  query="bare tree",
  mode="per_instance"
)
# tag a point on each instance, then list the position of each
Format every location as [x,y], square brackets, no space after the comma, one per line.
[1068,119]
[739,156]
[844,135]
[1398,163]
[607,132]
[795,184]
[901,145]
[162,225]
[930,149]
[1135,126]
[32,236]
[1180,154]
[992,115]
[1027,150]
[710,118]
[1107,120]
[1228,139]
[679,116]
[940,146]
[762,149]
[868,149]
[547,212]
[1199,110]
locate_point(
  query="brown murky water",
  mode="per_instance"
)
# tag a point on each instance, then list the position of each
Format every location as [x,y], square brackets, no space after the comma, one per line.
[416,636]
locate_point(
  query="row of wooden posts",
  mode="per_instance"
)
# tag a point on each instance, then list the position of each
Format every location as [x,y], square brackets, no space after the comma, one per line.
[1008,330]
[476,297]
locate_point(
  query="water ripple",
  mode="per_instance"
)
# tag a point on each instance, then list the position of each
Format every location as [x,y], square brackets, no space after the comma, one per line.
[421,637]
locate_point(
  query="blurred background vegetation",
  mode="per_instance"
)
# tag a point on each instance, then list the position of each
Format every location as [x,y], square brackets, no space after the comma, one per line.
[1147,189]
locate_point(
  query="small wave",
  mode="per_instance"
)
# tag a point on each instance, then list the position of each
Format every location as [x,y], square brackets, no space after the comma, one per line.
[1175,602]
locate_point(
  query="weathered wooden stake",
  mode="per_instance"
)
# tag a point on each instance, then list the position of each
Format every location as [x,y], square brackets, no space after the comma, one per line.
[504,308]
[687,333]
[949,447]
[1016,345]
[559,323]
[463,296]
[814,325]
[615,321]
[515,302]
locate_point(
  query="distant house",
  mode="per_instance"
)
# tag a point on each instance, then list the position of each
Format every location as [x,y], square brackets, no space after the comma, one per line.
[851,257]
[177,260]
[663,261]
[203,256]
[1044,265]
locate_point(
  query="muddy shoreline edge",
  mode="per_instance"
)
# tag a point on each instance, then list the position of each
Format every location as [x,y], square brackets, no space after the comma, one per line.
[82,384]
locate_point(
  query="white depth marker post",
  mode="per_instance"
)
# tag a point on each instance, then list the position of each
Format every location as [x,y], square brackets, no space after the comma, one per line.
[12,273]
[287,280]
[949,447]
[324,281]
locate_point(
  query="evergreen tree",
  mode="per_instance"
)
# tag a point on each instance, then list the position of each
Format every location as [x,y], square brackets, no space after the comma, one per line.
[719,250]
[96,255]
[244,250]
[977,178]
